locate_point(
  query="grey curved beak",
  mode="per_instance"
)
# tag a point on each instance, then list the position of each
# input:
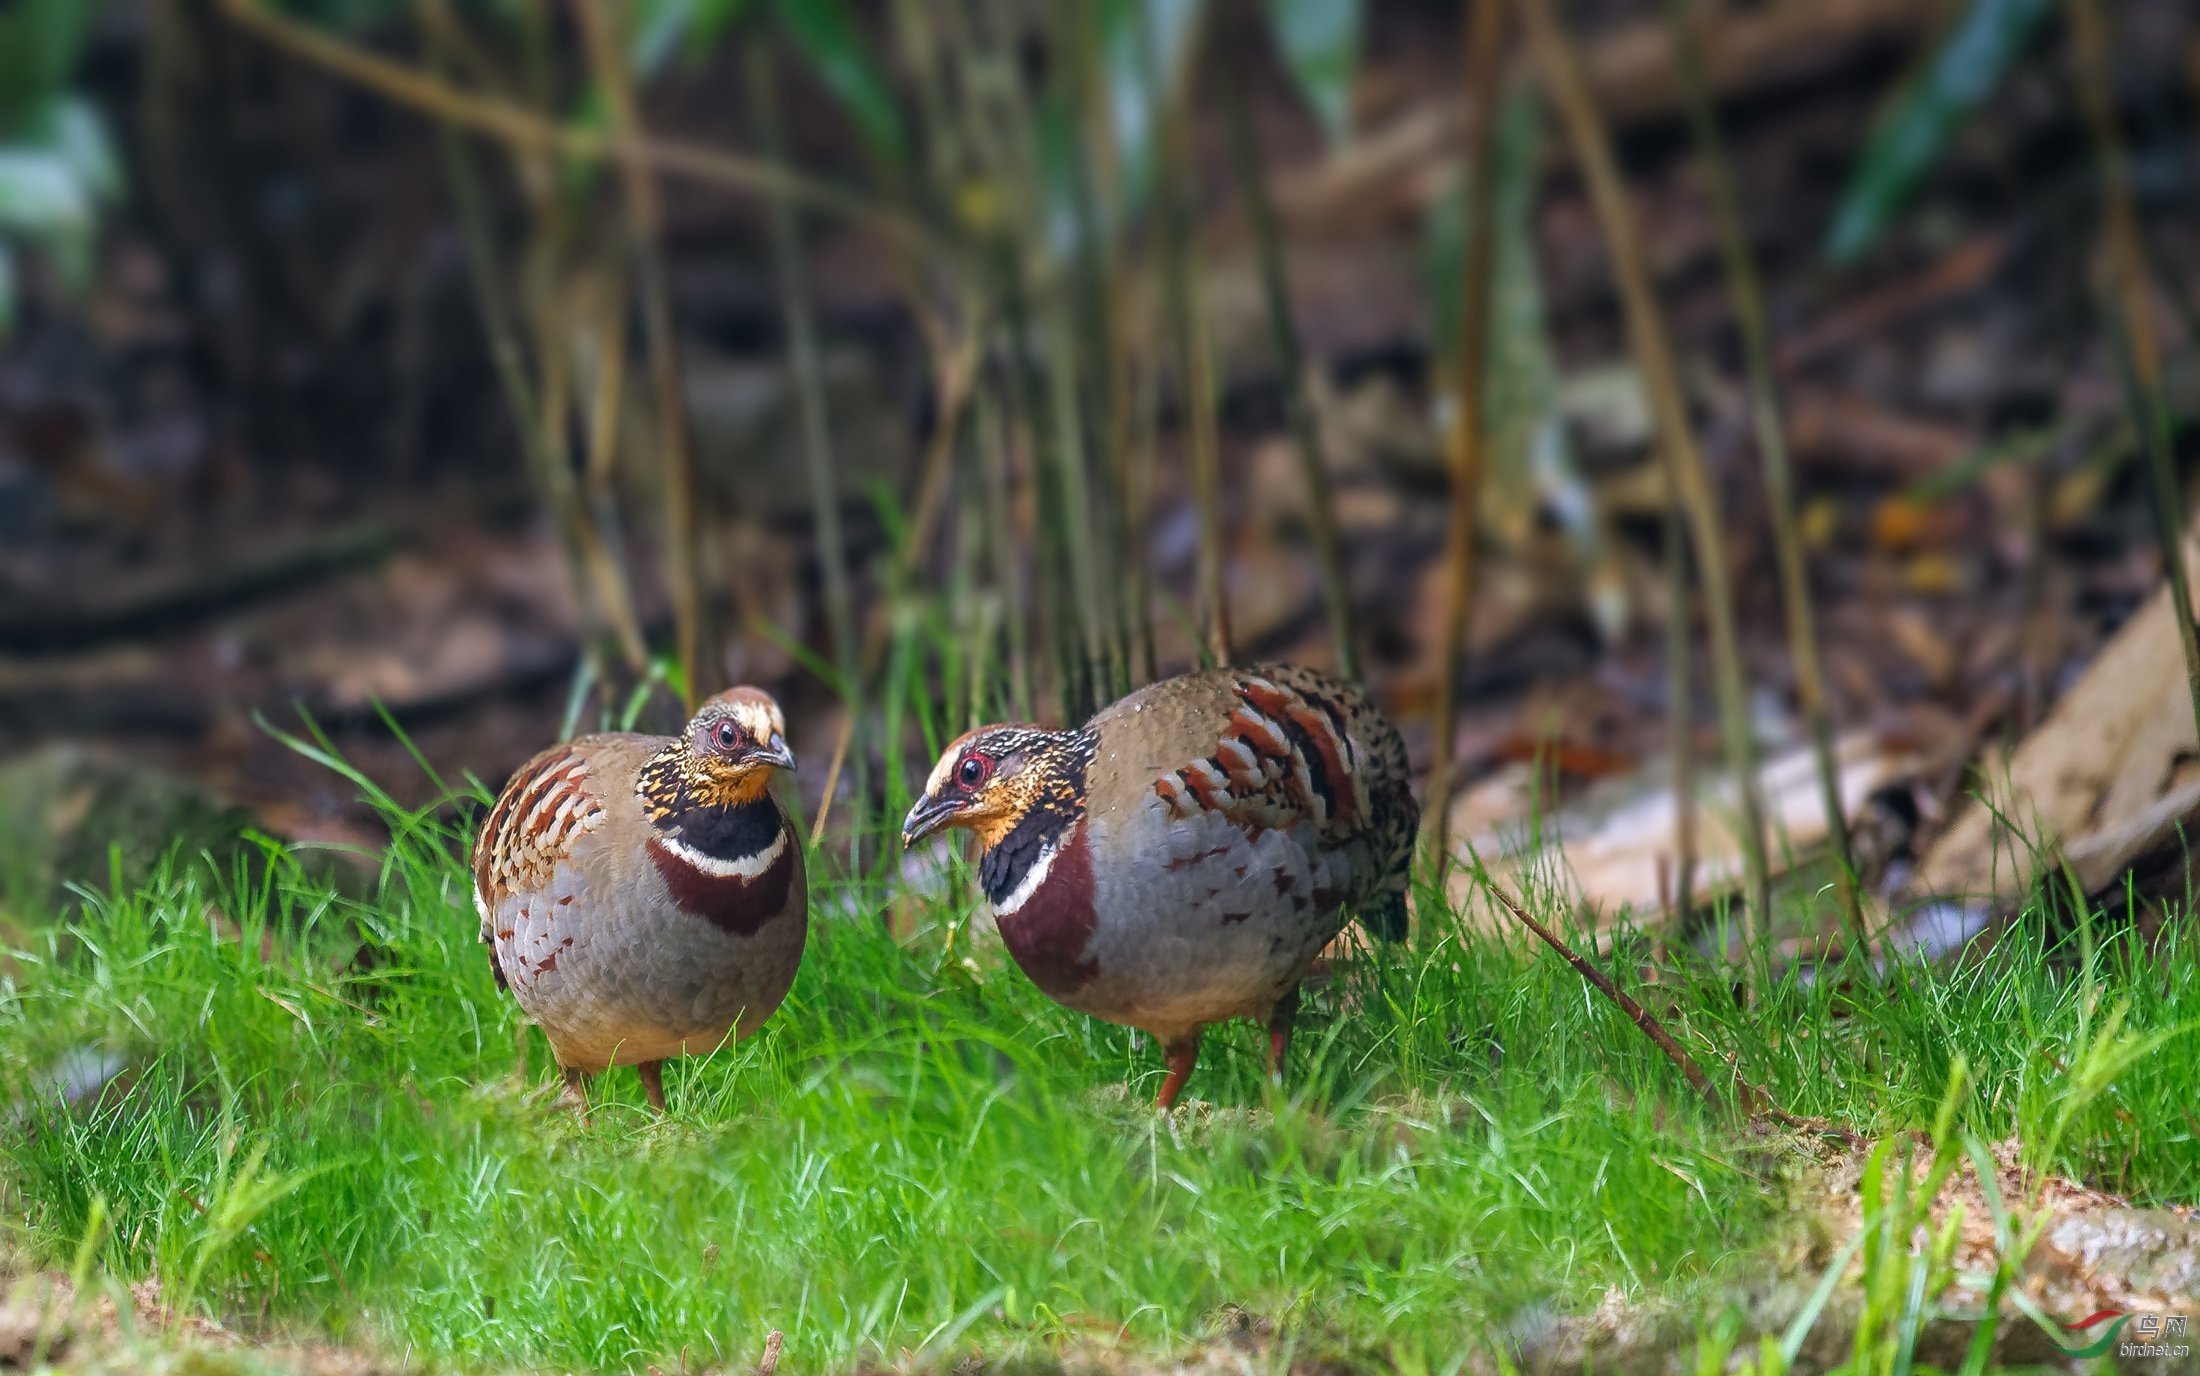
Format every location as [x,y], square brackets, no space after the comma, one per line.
[775,753]
[928,816]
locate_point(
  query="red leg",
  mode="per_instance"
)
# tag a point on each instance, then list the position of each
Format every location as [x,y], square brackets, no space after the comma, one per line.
[1181,1053]
[1279,1032]
[576,1090]
[653,1083]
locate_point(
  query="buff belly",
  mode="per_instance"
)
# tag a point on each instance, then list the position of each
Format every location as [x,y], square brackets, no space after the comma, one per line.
[616,979]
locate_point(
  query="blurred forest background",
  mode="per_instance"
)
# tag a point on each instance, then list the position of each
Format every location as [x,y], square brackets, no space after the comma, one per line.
[1582,376]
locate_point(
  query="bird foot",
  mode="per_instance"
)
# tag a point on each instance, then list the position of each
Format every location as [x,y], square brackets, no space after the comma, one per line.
[575,1092]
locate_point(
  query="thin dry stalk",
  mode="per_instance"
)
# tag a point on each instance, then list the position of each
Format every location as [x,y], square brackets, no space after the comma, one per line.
[598,582]
[1194,347]
[1743,286]
[1206,445]
[1680,712]
[612,602]
[957,371]
[1045,335]
[1001,530]
[1568,83]
[683,573]
[1485,76]
[1142,388]
[1321,502]
[1098,379]
[530,132]
[606,405]
[1133,629]
[2133,293]
[1050,546]
[1073,497]
[802,357]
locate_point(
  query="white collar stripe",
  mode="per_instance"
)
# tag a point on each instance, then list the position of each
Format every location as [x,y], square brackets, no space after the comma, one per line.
[744,867]
[1029,884]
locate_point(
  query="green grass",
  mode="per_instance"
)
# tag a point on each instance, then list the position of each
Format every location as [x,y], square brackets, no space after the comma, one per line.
[921,1155]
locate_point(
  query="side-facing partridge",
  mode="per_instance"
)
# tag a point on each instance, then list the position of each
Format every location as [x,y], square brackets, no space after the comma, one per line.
[643,896]
[1183,857]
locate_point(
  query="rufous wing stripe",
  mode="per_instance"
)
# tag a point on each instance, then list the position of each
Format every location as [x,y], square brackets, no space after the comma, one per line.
[1315,748]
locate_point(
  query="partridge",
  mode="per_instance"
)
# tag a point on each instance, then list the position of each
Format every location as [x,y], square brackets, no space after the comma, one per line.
[1183,857]
[643,896]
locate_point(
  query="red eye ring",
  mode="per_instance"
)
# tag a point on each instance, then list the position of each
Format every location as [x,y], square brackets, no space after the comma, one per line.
[727,735]
[974,770]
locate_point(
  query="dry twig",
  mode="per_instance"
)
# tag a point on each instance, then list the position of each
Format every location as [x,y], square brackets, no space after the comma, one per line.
[1563,74]
[524,129]
[1297,391]
[683,573]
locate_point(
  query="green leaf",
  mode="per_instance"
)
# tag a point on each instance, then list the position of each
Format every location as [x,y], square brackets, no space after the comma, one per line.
[1965,70]
[828,37]
[346,16]
[1145,46]
[1058,155]
[712,19]
[1320,42]
[41,194]
[1521,380]
[40,42]
[657,29]
[72,129]
[7,290]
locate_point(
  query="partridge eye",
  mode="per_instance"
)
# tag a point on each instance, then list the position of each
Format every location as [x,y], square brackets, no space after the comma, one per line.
[972,772]
[728,735]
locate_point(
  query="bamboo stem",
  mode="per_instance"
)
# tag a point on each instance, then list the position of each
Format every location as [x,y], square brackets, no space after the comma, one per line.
[1297,391]
[1206,445]
[585,561]
[606,407]
[1138,485]
[683,573]
[1750,316]
[1097,377]
[1485,52]
[957,373]
[1194,353]
[2135,328]
[1567,81]
[817,441]
[1072,505]
[1001,529]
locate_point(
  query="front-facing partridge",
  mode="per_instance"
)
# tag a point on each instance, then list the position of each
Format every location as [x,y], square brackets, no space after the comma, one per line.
[1183,857]
[643,896]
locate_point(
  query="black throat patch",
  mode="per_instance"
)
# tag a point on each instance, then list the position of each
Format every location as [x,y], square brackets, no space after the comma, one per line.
[681,800]
[1060,801]
[725,833]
